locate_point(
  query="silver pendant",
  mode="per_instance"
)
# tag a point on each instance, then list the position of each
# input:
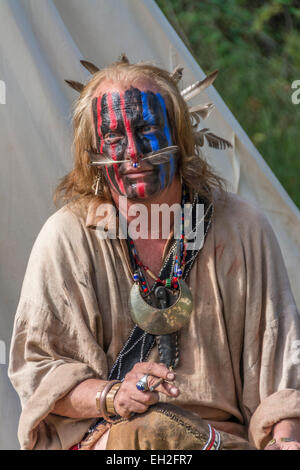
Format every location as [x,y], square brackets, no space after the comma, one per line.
[161,321]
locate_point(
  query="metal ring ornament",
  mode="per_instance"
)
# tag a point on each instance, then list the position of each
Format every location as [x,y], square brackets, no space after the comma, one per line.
[161,321]
[142,384]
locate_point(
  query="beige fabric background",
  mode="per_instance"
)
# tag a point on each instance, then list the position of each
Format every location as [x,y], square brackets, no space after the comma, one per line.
[41,43]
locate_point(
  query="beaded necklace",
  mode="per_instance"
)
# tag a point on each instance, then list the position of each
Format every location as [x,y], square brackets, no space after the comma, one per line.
[179,261]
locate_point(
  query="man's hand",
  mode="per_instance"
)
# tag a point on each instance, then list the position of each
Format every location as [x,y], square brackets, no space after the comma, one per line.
[286,435]
[283,444]
[131,400]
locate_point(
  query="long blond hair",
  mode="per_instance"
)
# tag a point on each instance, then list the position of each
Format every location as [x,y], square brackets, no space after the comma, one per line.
[195,172]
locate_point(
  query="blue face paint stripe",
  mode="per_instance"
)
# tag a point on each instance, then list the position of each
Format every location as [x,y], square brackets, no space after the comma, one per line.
[167,133]
[162,175]
[150,119]
[146,114]
[166,126]
[172,167]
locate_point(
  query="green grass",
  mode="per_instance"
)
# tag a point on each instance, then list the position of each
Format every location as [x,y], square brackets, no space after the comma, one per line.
[256,47]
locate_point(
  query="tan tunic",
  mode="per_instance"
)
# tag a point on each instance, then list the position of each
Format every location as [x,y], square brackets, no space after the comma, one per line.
[238,362]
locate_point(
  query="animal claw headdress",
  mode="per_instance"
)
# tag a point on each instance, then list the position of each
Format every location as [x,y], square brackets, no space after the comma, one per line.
[197,113]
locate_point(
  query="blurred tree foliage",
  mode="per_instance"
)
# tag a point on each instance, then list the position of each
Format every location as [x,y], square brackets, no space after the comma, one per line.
[255,44]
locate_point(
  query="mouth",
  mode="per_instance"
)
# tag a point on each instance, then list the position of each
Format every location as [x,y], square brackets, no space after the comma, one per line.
[136,172]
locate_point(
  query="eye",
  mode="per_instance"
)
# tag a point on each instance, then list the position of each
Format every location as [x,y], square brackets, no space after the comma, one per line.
[148,129]
[112,137]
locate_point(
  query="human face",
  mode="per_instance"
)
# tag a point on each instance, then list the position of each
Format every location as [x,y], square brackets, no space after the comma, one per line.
[129,123]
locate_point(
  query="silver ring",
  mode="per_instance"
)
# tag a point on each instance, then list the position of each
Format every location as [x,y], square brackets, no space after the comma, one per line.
[142,384]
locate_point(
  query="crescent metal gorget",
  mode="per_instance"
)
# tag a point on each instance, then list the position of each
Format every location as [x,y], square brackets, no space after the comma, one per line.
[161,321]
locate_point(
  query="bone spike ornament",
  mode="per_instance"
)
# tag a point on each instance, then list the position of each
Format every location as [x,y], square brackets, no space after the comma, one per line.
[123,58]
[89,66]
[75,85]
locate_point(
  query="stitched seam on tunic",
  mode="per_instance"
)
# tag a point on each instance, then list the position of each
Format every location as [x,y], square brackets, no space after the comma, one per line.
[190,429]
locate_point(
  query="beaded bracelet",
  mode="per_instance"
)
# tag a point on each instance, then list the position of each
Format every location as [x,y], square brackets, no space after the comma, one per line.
[102,395]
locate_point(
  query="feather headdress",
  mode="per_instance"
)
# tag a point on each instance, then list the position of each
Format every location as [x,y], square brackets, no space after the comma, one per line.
[197,113]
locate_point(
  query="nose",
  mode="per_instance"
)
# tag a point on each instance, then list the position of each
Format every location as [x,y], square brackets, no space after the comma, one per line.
[133,150]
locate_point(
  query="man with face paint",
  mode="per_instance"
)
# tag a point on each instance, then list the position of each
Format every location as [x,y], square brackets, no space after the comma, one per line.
[130,123]
[87,375]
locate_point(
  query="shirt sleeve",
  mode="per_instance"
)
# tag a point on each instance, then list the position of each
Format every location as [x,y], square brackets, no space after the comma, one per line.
[57,337]
[271,359]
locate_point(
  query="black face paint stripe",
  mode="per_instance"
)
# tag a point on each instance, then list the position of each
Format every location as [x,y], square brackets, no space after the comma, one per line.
[95,118]
[133,110]
[116,103]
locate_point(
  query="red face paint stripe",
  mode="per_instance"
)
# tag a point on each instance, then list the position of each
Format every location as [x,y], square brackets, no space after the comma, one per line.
[107,173]
[116,170]
[131,145]
[113,151]
[118,179]
[99,121]
[113,126]
[141,189]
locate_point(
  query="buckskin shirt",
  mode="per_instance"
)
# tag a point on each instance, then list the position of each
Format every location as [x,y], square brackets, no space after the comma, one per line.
[238,368]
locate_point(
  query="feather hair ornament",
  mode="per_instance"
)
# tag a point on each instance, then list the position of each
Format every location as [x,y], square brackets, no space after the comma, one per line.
[212,139]
[197,113]
[202,111]
[196,88]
